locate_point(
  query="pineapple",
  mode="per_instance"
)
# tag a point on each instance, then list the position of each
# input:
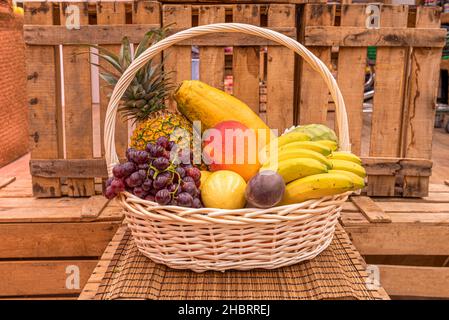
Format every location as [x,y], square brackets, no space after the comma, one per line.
[144,100]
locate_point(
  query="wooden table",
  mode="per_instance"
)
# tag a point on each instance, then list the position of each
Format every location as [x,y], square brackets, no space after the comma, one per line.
[339,272]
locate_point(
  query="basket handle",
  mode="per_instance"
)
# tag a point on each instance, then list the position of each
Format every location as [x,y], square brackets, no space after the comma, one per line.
[309,57]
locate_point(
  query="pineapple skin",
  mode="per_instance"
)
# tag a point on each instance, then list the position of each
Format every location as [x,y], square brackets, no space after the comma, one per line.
[160,124]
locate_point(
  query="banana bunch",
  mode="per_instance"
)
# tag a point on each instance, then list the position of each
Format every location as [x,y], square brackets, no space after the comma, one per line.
[312,168]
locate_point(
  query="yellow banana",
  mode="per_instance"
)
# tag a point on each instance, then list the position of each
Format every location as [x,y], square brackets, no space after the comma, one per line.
[348,156]
[329,143]
[299,153]
[316,186]
[309,145]
[348,166]
[292,169]
[282,140]
[359,182]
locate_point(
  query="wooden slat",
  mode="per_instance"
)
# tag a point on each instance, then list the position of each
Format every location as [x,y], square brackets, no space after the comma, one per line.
[388,100]
[360,36]
[86,168]
[4,181]
[111,13]
[94,206]
[313,92]
[147,12]
[280,72]
[245,61]
[78,107]
[212,58]
[113,34]
[178,60]
[371,210]
[49,240]
[420,117]
[42,97]
[351,75]
[412,281]
[399,238]
[21,278]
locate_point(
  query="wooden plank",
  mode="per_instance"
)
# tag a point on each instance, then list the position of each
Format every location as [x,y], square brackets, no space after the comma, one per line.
[4,181]
[371,210]
[412,281]
[212,58]
[94,206]
[388,100]
[360,36]
[420,117]
[399,238]
[178,60]
[42,97]
[113,34]
[78,106]
[94,34]
[280,71]
[351,75]
[21,278]
[49,240]
[313,93]
[246,60]
[111,13]
[388,166]
[147,12]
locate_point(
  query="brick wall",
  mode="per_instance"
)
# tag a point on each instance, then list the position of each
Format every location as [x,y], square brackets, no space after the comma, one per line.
[13,108]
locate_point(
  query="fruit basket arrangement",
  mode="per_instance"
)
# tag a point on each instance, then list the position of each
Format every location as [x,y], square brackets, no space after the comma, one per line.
[215,212]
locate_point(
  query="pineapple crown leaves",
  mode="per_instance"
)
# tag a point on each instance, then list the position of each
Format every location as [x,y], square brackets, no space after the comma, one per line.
[150,86]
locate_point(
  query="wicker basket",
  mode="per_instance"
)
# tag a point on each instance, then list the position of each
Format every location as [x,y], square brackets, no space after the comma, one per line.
[216,239]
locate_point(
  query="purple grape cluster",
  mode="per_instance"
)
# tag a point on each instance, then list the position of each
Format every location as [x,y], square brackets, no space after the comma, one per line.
[150,175]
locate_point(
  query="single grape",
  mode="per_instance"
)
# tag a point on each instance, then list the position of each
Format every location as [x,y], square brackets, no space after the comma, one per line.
[197,203]
[118,171]
[141,157]
[156,151]
[187,179]
[130,153]
[149,197]
[198,183]
[129,168]
[163,142]
[117,185]
[143,173]
[151,173]
[138,191]
[166,154]
[190,188]
[134,180]
[147,184]
[193,172]
[163,197]
[109,193]
[181,172]
[149,146]
[184,199]
[143,166]
[160,182]
[170,145]
[167,174]
[161,163]
[172,187]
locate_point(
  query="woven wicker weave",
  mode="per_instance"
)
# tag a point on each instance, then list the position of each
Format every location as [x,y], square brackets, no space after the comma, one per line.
[216,239]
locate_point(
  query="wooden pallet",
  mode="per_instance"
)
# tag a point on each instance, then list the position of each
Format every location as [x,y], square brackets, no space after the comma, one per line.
[407,239]
[43,240]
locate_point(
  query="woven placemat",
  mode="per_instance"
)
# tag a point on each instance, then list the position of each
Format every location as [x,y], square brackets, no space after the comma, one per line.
[337,273]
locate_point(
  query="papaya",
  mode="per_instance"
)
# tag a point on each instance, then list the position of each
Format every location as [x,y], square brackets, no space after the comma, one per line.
[198,101]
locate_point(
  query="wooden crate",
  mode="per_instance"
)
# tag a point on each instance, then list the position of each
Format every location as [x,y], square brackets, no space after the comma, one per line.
[275,84]
[408,51]
[408,240]
[45,241]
